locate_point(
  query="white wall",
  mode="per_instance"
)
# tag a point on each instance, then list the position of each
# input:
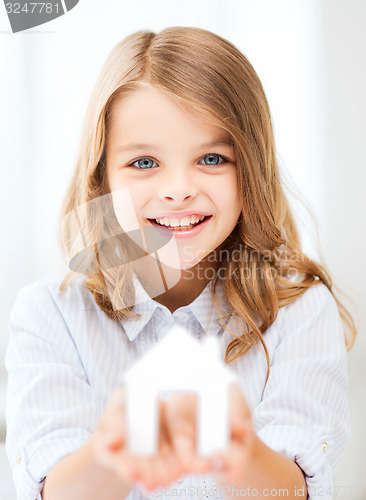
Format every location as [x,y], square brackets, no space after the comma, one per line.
[309,55]
[344,38]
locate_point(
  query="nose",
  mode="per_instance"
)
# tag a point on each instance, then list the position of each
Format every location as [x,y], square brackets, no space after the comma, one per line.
[178,186]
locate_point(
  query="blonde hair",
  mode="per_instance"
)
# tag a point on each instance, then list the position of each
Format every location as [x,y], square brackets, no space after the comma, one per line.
[210,77]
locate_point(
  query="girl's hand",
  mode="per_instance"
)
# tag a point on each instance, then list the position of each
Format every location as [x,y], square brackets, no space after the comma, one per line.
[177,454]
[109,445]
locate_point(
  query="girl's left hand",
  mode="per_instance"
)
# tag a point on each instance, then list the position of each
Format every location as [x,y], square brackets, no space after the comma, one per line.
[227,467]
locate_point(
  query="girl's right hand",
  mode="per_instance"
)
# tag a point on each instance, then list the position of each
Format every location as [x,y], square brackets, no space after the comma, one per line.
[108,443]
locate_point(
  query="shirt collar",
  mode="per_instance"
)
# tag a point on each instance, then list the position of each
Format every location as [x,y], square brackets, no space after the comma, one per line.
[202,308]
[205,310]
[145,306]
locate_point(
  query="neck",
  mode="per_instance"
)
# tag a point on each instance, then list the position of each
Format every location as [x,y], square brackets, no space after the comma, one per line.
[190,285]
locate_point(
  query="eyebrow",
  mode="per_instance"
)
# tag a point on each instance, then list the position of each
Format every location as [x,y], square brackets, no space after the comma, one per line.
[139,146]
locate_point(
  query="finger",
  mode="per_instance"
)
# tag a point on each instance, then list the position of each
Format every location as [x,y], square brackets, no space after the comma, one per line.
[112,430]
[117,399]
[240,430]
[239,406]
[156,471]
[164,434]
[122,464]
[240,416]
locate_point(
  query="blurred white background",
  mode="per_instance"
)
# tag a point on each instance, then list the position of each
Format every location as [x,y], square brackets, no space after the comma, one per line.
[310,57]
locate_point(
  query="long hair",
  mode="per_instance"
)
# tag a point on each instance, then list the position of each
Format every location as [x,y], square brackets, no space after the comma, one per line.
[210,77]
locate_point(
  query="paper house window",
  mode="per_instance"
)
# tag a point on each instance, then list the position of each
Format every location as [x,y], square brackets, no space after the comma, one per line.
[179,363]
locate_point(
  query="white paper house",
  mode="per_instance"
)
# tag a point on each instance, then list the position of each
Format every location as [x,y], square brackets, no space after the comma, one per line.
[179,363]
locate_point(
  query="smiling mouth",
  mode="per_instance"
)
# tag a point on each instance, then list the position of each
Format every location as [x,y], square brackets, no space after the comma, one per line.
[179,228]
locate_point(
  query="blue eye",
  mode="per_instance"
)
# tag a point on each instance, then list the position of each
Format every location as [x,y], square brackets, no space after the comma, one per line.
[213,159]
[147,163]
[143,163]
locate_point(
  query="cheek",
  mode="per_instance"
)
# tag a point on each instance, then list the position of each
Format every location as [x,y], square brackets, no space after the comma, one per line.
[117,180]
[138,191]
[140,194]
[228,196]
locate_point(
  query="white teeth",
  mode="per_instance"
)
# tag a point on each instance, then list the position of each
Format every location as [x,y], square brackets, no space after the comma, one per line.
[174,222]
[195,219]
[184,221]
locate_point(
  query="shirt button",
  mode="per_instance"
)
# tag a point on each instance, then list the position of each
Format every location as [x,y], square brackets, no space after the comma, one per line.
[18,459]
[325,445]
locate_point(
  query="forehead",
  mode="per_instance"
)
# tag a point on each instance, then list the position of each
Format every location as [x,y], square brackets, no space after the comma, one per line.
[151,111]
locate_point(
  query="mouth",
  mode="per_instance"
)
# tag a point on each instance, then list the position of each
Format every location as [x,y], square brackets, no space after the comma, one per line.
[180,225]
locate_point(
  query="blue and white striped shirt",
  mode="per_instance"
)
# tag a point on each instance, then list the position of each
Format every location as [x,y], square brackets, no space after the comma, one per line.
[65,357]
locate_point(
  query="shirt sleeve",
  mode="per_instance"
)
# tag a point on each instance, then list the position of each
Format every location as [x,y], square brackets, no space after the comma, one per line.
[50,410]
[304,412]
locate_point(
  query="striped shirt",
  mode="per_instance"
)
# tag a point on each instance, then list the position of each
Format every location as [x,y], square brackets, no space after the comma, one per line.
[65,357]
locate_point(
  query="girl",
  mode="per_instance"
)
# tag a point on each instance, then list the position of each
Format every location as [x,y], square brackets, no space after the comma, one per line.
[176,215]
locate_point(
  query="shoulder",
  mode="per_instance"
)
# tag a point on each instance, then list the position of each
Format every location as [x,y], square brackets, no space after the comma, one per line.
[313,318]
[315,301]
[44,301]
[47,291]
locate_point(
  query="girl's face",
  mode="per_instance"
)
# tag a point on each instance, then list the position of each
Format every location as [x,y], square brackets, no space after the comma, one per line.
[180,173]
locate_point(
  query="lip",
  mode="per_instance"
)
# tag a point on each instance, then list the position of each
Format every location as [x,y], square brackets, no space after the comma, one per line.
[179,215]
[178,235]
